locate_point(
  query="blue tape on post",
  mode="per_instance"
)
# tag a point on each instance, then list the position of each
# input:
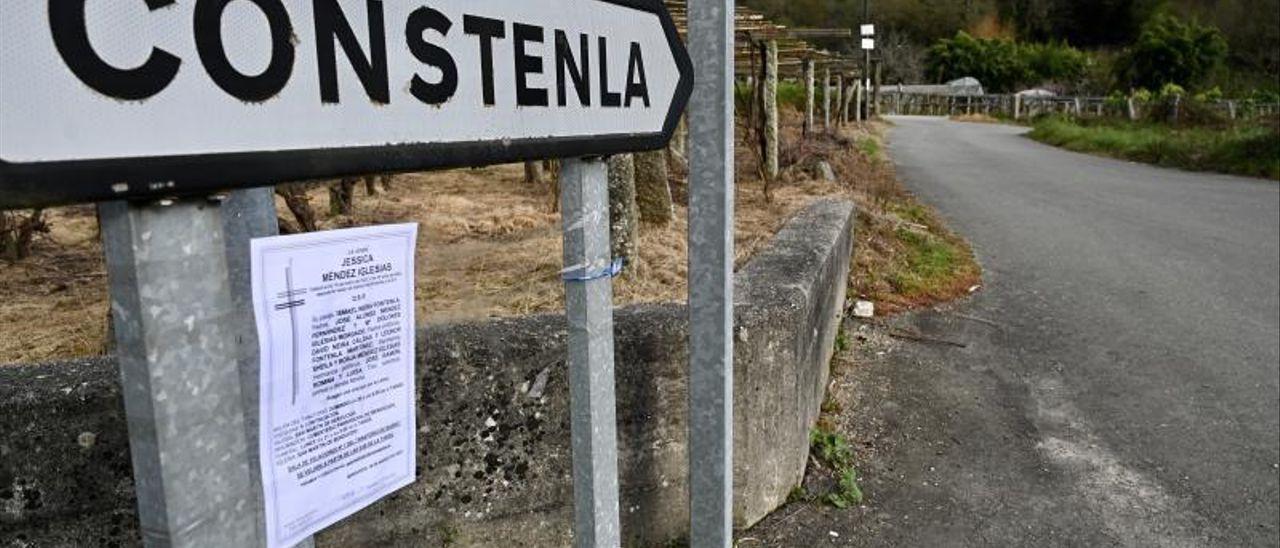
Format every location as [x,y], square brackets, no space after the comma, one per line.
[584,275]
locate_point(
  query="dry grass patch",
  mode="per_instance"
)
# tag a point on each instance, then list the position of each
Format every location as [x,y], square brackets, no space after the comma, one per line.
[490,244]
[54,303]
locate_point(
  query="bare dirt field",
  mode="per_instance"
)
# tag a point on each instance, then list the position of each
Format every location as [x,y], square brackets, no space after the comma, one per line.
[490,245]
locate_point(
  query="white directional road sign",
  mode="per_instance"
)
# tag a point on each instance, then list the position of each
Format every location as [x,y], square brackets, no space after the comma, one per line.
[107,99]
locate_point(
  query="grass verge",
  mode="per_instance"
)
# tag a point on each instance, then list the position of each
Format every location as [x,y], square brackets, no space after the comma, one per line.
[1244,149]
[907,258]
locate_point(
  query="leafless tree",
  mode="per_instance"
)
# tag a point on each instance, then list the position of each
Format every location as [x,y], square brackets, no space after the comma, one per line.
[18,231]
[299,204]
[342,196]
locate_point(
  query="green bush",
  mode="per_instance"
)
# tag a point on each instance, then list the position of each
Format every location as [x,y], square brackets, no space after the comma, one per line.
[994,62]
[1117,101]
[1263,97]
[1004,65]
[1171,91]
[1054,63]
[1210,95]
[1172,51]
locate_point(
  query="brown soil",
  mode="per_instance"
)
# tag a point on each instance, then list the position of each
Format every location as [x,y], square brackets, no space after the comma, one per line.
[490,244]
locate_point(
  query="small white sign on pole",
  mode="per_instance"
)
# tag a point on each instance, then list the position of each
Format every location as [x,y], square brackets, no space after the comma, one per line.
[868,30]
[335,317]
[868,43]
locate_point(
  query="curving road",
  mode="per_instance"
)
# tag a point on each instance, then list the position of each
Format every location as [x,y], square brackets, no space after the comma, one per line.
[1136,372]
[1128,391]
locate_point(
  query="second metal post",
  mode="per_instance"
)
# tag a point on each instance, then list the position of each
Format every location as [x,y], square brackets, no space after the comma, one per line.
[589,269]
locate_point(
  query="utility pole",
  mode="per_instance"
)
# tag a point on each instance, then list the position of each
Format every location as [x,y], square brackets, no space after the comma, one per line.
[866,61]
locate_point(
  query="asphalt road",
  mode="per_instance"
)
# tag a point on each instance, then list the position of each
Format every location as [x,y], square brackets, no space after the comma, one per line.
[1123,386]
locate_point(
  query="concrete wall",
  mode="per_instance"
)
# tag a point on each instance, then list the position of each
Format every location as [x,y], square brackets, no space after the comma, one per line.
[494,430]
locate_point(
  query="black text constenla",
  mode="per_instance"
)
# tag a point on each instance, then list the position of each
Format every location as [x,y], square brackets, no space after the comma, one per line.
[573,71]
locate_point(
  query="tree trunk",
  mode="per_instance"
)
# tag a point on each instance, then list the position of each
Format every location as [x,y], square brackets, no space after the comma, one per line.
[753,111]
[342,197]
[771,137]
[874,92]
[678,149]
[826,99]
[371,185]
[551,174]
[854,97]
[533,173]
[624,221]
[808,97]
[839,99]
[299,204]
[386,182]
[653,190]
[17,232]
[109,334]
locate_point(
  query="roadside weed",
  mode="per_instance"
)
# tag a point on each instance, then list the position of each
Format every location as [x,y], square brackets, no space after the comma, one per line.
[834,452]
[869,148]
[847,493]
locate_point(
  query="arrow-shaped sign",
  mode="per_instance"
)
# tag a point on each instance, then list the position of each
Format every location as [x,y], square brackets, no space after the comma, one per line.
[136,98]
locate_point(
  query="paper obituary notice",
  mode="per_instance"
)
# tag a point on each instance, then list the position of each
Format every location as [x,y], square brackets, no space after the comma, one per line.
[335,318]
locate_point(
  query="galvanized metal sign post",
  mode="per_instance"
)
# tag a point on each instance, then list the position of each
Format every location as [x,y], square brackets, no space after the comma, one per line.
[163,106]
[588,292]
[711,175]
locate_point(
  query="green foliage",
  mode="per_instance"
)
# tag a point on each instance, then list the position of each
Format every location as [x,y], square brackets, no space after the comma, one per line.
[831,448]
[842,341]
[994,62]
[869,148]
[1252,150]
[848,493]
[1250,27]
[1210,95]
[1117,101]
[1170,91]
[930,262]
[1004,65]
[1263,97]
[834,452]
[791,94]
[1099,73]
[1053,62]
[915,213]
[1173,51]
